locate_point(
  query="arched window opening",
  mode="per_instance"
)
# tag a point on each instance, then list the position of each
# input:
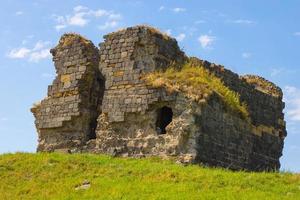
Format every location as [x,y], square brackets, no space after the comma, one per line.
[164,118]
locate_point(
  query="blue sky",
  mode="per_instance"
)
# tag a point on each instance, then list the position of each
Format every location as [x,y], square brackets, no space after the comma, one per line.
[253,37]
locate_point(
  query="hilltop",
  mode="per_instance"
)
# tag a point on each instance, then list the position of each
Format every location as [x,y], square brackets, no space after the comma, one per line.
[84,176]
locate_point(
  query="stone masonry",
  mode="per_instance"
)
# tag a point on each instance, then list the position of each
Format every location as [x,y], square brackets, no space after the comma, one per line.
[100,103]
[67,117]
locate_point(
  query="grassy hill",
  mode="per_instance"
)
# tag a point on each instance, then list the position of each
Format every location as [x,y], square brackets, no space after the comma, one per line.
[60,176]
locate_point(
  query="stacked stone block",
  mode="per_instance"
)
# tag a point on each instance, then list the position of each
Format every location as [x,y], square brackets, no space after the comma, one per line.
[100,103]
[263,98]
[67,116]
[226,140]
[125,56]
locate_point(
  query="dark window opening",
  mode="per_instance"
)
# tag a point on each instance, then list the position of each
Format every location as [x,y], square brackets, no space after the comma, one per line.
[97,90]
[164,118]
[92,132]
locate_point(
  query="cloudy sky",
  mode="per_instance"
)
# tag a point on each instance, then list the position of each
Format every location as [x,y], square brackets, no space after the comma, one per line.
[253,37]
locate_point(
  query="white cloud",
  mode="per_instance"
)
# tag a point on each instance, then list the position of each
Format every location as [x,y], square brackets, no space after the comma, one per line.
[115,16]
[24,42]
[200,22]
[242,21]
[99,13]
[39,55]
[19,53]
[246,55]
[107,25]
[180,37]
[290,90]
[206,41]
[220,14]
[3,119]
[177,10]
[189,30]
[79,8]
[40,45]
[59,27]
[47,75]
[168,32]
[161,8]
[275,71]
[77,19]
[39,51]
[292,99]
[82,15]
[297,34]
[30,36]
[18,13]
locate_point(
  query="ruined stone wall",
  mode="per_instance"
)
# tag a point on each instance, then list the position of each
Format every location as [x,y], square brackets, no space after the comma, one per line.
[128,103]
[264,100]
[67,116]
[100,103]
[228,141]
[124,57]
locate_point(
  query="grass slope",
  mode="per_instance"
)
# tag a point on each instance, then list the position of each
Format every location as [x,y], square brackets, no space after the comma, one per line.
[55,176]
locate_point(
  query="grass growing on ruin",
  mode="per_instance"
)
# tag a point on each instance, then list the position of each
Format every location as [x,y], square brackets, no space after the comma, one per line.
[56,176]
[264,85]
[197,83]
[70,38]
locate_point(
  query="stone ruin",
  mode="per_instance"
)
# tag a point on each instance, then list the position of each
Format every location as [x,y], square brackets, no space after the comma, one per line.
[99,103]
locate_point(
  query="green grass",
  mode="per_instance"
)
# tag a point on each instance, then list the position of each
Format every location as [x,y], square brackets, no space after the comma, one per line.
[55,176]
[197,84]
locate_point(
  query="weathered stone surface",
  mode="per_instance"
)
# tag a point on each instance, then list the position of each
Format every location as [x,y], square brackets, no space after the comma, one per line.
[146,50]
[99,103]
[67,116]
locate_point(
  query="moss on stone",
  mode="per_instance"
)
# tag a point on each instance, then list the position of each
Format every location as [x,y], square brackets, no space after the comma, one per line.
[263,85]
[70,38]
[152,30]
[197,83]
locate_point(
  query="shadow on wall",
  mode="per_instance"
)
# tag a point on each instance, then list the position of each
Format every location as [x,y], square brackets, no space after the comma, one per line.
[164,118]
